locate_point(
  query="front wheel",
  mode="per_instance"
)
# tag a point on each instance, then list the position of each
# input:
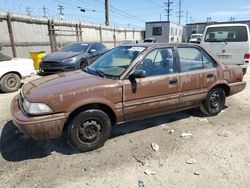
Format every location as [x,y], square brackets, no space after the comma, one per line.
[83,64]
[89,130]
[214,102]
[10,82]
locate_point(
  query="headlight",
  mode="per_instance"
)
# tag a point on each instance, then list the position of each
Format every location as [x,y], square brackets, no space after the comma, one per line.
[71,60]
[36,108]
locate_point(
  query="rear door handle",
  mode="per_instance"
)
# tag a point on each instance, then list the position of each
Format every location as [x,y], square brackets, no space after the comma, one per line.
[210,75]
[173,82]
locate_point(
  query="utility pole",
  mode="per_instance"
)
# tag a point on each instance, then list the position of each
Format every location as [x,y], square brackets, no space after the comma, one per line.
[180,12]
[45,10]
[232,19]
[187,17]
[168,10]
[28,11]
[107,12]
[61,14]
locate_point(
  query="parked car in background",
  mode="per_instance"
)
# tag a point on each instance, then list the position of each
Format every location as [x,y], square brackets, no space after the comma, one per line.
[71,57]
[228,43]
[127,83]
[195,38]
[149,40]
[12,70]
[126,42]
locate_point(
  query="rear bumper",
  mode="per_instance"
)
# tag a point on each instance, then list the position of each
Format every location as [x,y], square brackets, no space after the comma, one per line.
[39,127]
[236,87]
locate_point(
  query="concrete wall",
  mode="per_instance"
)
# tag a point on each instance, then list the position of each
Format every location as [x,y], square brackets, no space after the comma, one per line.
[36,34]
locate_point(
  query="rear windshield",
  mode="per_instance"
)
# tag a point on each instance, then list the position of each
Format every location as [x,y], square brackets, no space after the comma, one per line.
[226,34]
[4,57]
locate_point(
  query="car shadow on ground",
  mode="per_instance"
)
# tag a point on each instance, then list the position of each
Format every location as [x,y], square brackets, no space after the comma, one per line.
[15,146]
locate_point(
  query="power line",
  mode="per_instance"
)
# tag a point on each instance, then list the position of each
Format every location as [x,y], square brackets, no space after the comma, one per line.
[168,10]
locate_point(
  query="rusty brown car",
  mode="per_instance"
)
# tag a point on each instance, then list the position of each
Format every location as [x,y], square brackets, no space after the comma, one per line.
[129,82]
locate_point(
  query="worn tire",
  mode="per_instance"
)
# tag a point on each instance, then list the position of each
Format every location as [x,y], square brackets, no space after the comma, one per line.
[214,102]
[89,130]
[244,71]
[10,82]
[83,63]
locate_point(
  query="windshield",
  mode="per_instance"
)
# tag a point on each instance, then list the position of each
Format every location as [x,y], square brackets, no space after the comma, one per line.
[4,57]
[226,34]
[196,36]
[78,47]
[116,61]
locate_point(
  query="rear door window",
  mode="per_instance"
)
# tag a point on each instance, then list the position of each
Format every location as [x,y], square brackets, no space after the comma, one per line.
[226,34]
[190,59]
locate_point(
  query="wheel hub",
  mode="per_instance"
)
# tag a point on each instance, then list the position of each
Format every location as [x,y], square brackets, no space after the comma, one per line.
[215,100]
[89,131]
[12,82]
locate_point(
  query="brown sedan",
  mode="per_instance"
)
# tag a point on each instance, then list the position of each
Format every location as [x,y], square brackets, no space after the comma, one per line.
[129,82]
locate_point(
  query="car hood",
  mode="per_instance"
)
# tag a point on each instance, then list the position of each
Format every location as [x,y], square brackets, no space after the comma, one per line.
[63,84]
[59,56]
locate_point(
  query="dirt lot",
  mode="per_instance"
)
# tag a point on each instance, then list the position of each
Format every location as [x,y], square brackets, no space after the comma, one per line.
[219,150]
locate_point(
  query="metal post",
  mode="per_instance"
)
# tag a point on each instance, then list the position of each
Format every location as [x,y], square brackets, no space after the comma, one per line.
[114,37]
[100,33]
[107,12]
[53,35]
[80,31]
[12,40]
[125,33]
[50,37]
[77,33]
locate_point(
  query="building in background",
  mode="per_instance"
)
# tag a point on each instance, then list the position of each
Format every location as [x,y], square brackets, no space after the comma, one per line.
[164,31]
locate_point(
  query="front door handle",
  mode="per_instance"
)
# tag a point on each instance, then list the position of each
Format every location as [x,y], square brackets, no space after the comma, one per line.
[210,75]
[173,82]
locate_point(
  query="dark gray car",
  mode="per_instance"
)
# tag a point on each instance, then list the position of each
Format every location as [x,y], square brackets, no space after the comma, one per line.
[71,57]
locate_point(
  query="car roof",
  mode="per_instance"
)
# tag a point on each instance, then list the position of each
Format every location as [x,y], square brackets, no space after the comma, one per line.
[227,25]
[147,45]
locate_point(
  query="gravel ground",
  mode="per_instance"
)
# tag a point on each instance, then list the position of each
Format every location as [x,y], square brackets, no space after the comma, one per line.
[216,155]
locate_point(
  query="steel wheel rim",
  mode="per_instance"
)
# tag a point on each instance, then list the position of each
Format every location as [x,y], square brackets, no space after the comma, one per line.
[89,131]
[12,82]
[215,100]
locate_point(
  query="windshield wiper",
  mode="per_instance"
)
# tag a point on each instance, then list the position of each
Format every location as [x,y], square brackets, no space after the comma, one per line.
[101,73]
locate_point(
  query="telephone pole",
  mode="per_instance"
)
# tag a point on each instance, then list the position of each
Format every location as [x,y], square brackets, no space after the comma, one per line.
[107,12]
[61,14]
[45,10]
[28,11]
[187,17]
[180,12]
[168,10]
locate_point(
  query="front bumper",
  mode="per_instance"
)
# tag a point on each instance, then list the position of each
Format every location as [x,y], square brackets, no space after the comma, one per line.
[53,68]
[236,87]
[39,127]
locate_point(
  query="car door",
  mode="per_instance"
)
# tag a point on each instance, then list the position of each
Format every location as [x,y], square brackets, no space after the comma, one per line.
[197,73]
[158,92]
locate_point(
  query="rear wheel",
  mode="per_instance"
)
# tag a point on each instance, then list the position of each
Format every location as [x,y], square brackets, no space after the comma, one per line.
[244,71]
[214,102]
[89,130]
[10,82]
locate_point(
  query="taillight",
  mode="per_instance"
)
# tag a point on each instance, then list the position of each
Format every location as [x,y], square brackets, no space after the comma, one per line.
[247,58]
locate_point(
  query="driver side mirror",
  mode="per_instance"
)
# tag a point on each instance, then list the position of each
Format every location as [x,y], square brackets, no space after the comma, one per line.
[92,51]
[138,74]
